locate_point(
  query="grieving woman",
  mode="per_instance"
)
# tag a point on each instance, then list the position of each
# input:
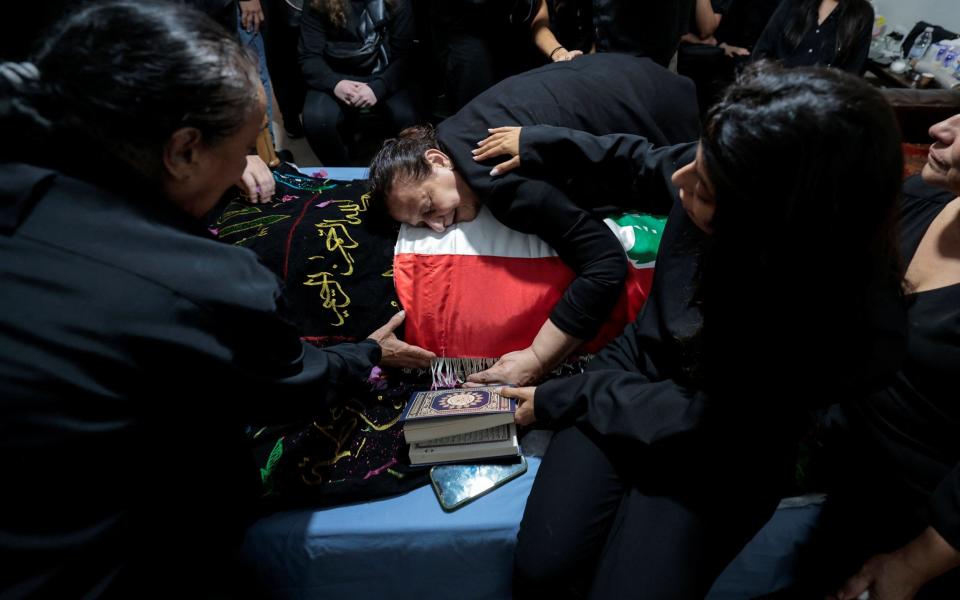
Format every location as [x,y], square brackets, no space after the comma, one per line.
[135,347]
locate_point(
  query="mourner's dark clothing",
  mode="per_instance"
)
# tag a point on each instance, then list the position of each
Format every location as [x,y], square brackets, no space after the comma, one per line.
[480,42]
[649,28]
[600,93]
[326,53]
[135,349]
[819,45]
[900,456]
[627,493]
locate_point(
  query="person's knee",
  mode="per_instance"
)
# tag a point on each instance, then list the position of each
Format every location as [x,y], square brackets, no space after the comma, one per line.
[320,113]
[540,559]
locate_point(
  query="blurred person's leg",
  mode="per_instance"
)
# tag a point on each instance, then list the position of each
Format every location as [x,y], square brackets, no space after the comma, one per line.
[323,120]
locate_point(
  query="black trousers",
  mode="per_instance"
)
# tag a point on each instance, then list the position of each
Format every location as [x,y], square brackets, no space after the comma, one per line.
[329,124]
[608,520]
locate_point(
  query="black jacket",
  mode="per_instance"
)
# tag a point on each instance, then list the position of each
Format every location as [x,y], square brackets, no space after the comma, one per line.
[135,347]
[316,32]
[600,93]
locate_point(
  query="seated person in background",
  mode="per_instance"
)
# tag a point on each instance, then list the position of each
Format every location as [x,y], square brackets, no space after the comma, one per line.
[136,348]
[480,42]
[650,28]
[707,15]
[831,33]
[896,507]
[356,54]
[545,40]
[427,178]
[704,59]
[674,447]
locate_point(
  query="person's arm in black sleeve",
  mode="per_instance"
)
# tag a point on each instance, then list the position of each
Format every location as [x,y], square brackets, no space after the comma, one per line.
[623,404]
[313,39]
[621,160]
[586,245]
[581,240]
[769,41]
[856,61]
[399,69]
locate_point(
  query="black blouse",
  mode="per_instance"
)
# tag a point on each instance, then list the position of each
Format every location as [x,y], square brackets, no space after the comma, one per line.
[915,422]
[819,45]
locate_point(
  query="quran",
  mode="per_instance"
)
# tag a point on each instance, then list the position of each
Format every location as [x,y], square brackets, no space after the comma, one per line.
[441,413]
[495,442]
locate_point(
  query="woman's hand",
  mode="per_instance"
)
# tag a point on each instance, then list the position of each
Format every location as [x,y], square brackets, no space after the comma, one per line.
[347,91]
[732,51]
[251,15]
[365,96]
[257,182]
[518,368]
[563,55]
[885,577]
[395,353]
[502,141]
[524,397]
[900,574]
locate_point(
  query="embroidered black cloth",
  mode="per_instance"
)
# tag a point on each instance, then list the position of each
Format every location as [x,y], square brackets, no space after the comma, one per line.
[337,271]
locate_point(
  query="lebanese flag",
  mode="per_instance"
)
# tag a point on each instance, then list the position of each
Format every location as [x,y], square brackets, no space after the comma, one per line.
[481,289]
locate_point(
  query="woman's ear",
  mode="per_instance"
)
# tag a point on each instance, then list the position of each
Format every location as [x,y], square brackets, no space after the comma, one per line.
[438,159]
[180,155]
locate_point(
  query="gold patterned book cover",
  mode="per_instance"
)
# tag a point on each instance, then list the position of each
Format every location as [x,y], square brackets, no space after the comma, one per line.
[457,403]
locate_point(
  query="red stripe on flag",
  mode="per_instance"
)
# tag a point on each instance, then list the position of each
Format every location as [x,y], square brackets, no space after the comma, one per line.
[486,306]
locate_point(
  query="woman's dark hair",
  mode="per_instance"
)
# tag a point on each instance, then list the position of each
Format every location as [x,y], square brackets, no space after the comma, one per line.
[117,78]
[806,166]
[853,15]
[336,10]
[401,159]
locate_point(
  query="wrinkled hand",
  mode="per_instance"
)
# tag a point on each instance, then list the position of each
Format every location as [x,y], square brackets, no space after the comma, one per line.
[518,368]
[886,577]
[365,96]
[502,141]
[732,51]
[251,15]
[257,182]
[524,397]
[395,353]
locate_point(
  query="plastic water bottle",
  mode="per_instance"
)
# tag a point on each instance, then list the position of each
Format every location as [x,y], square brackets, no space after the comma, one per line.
[941,51]
[921,44]
[949,57]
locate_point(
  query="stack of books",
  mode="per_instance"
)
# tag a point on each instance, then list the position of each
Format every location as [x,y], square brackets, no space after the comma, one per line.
[460,425]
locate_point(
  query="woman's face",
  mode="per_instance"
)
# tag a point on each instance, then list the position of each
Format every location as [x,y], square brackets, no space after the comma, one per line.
[943,161]
[696,192]
[198,173]
[436,202]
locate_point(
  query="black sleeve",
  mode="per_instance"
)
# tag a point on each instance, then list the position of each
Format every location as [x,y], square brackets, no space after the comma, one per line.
[402,35]
[769,42]
[581,240]
[628,161]
[238,335]
[944,508]
[317,73]
[620,395]
[856,61]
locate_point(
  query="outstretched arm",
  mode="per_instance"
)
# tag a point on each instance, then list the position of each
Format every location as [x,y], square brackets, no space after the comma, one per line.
[625,160]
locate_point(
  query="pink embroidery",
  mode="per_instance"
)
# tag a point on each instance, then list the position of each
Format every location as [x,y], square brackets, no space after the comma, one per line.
[379,470]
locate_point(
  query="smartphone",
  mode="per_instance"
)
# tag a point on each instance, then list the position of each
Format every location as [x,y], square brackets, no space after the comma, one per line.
[457,485]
